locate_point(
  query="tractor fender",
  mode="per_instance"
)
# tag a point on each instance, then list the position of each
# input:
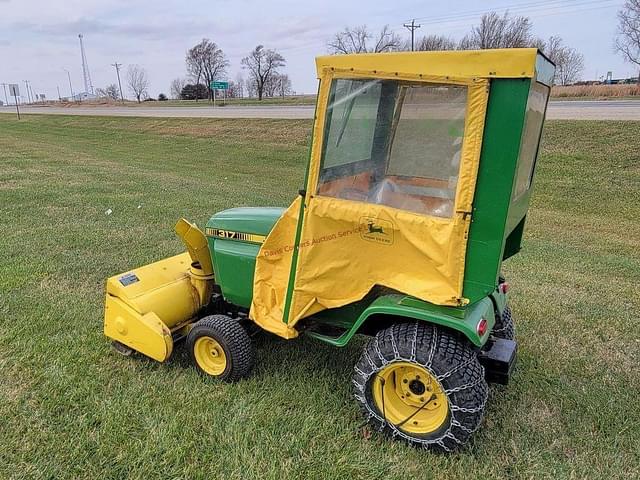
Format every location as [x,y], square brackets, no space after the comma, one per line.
[391,308]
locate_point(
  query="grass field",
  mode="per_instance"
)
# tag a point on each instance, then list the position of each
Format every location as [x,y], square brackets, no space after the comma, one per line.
[247,101]
[72,408]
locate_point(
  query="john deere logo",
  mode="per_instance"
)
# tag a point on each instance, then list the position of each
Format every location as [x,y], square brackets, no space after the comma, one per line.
[376,230]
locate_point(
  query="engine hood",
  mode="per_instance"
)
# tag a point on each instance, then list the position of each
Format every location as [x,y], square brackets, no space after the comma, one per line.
[250,221]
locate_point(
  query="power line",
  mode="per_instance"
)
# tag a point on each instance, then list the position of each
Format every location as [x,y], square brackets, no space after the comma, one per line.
[70,86]
[26,86]
[544,7]
[117,66]
[461,23]
[33,95]
[446,16]
[412,27]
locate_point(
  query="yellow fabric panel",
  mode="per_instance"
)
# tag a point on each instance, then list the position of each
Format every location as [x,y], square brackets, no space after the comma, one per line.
[339,262]
[477,97]
[340,259]
[272,274]
[498,63]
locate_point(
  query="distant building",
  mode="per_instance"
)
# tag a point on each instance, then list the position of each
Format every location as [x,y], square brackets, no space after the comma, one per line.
[83,96]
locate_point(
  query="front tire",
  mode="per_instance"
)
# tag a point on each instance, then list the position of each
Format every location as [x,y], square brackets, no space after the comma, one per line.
[220,347]
[421,384]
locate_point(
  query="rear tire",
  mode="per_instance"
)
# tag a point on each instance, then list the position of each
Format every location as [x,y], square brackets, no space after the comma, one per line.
[505,326]
[421,384]
[220,347]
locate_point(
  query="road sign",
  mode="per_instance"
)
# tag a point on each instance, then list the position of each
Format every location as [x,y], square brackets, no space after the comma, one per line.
[15,93]
[219,85]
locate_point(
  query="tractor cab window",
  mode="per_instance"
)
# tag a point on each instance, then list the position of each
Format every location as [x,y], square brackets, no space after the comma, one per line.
[394,143]
[531,133]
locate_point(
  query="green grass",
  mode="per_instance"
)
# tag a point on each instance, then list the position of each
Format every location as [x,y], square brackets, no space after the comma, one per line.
[72,408]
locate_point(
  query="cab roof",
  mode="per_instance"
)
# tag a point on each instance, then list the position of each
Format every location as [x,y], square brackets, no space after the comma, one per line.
[493,63]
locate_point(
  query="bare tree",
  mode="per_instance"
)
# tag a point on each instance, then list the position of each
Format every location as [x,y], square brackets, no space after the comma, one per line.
[569,62]
[239,83]
[571,67]
[278,84]
[432,42]
[284,85]
[271,86]
[214,63]
[110,91]
[250,85]
[177,84]
[193,61]
[497,31]
[628,39]
[262,64]
[361,40]
[137,81]
[232,91]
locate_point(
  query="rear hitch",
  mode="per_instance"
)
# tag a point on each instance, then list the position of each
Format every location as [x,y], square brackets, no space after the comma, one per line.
[498,359]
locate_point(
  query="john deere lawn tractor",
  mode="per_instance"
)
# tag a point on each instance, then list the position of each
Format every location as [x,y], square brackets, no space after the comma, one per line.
[417,189]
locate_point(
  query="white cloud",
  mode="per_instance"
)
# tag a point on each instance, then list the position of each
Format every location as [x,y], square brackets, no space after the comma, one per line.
[38,38]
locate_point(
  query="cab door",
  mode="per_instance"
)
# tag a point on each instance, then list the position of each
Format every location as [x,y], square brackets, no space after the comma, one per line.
[388,195]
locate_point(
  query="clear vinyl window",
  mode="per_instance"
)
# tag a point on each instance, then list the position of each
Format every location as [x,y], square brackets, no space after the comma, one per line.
[394,143]
[530,137]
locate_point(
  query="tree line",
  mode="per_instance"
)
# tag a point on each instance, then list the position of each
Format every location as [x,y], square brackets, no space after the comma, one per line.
[206,62]
[493,31]
[499,31]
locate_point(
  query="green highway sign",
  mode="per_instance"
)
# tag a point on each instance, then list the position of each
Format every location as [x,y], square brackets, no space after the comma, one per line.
[219,85]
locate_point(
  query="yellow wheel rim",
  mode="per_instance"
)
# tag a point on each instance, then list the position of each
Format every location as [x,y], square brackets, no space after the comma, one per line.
[210,356]
[410,391]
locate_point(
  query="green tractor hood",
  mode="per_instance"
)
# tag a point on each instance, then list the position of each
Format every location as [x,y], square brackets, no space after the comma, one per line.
[247,220]
[234,237]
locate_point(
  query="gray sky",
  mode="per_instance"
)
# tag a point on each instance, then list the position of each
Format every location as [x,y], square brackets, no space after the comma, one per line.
[40,37]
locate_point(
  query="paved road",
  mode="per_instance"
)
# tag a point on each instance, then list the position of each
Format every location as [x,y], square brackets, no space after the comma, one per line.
[594,110]
[558,109]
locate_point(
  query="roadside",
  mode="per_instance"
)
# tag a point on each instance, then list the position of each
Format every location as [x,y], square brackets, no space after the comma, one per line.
[558,110]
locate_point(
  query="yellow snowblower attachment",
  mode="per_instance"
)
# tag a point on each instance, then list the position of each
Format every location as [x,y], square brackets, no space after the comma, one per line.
[147,306]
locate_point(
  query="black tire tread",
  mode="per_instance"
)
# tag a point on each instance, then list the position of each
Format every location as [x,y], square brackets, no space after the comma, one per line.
[234,340]
[505,326]
[441,352]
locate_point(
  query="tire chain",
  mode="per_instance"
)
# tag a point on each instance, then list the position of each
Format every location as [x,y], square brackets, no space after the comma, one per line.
[360,393]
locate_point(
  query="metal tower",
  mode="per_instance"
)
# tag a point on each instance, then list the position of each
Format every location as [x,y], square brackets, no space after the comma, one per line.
[88,86]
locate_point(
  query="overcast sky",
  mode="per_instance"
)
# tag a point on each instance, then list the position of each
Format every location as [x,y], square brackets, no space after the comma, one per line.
[38,38]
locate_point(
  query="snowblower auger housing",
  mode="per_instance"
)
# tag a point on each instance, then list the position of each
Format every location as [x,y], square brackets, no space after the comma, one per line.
[417,189]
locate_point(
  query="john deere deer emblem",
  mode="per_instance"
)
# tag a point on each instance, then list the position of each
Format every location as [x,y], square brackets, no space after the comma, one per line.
[376,230]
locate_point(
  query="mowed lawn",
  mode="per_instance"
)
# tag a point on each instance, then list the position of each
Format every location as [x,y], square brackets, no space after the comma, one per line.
[72,408]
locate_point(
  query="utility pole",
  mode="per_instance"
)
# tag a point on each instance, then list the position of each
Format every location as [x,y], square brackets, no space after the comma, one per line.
[412,27]
[59,96]
[26,85]
[70,87]
[4,87]
[118,65]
